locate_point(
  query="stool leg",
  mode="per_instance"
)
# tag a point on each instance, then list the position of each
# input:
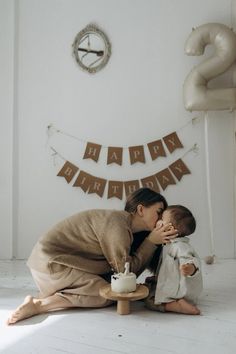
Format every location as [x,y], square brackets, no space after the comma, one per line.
[123,307]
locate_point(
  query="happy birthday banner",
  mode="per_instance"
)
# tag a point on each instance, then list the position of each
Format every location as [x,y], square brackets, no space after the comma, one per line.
[116,188]
[136,153]
[91,184]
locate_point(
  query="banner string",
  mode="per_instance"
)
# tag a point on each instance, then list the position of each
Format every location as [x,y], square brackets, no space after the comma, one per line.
[51,130]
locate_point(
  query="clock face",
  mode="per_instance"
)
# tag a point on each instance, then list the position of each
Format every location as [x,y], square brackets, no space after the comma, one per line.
[92,49]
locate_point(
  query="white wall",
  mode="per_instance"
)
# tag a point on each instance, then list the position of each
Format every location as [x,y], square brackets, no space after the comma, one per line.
[6,125]
[135,99]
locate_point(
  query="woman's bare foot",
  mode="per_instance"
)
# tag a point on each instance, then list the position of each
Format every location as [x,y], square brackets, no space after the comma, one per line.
[27,309]
[33,306]
[181,306]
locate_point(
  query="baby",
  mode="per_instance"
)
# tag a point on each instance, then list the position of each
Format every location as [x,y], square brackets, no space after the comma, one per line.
[178,280]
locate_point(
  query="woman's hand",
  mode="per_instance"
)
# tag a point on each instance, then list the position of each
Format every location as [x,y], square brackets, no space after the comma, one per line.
[162,234]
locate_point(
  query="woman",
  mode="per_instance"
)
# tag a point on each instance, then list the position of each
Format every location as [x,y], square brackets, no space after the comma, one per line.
[73,260]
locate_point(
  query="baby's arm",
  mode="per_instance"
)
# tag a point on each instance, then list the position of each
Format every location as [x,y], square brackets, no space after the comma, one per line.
[188,260]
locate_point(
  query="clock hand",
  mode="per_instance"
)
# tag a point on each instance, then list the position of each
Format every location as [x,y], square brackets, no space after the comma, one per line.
[98,52]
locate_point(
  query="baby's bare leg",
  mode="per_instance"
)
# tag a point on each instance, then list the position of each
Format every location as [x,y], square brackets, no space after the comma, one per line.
[181,306]
[33,306]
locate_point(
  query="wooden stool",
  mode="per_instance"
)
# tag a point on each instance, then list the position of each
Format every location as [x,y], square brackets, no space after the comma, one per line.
[123,299]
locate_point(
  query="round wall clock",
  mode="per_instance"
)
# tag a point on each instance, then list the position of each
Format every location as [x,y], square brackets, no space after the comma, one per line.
[91,49]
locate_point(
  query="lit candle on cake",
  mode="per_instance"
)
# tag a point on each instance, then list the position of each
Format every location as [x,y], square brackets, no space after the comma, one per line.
[123,282]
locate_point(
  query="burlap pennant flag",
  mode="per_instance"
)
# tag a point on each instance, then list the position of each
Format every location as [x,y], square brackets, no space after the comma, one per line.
[68,171]
[83,181]
[156,149]
[136,154]
[178,168]
[115,189]
[165,178]
[97,186]
[150,182]
[131,186]
[172,142]
[92,151]
[114,155]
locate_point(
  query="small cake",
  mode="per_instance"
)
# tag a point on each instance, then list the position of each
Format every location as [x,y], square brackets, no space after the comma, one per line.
[123,282]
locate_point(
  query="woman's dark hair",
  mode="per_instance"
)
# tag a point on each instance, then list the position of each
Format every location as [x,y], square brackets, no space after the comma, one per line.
[144,196]
[147,197]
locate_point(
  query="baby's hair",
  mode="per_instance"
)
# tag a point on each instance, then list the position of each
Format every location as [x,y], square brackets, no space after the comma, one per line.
[182,219]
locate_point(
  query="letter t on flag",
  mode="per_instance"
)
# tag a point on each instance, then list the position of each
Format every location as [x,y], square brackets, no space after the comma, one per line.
[115,189]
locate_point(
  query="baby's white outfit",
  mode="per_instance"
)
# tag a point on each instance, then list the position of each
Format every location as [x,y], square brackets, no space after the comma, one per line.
[171,284]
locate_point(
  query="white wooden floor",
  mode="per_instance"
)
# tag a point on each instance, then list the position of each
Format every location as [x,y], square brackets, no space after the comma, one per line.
[102,331]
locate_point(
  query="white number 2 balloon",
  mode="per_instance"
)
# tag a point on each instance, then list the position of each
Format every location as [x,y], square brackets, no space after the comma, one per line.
[197,96]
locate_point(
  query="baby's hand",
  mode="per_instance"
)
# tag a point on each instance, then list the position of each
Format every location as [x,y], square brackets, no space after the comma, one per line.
[187,269]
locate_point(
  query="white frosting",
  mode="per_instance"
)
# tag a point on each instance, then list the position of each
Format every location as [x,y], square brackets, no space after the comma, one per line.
[123,282]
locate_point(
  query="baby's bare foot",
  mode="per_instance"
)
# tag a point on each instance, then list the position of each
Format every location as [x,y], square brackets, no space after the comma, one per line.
[182,306]
[27,309]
